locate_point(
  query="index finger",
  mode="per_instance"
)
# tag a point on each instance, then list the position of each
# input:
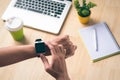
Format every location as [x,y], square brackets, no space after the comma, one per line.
[51,47]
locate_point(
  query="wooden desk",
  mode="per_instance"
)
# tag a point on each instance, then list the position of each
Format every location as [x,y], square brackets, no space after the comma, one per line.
[79,66]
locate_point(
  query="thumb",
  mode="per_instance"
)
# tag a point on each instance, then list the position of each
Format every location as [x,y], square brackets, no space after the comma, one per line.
[44,60]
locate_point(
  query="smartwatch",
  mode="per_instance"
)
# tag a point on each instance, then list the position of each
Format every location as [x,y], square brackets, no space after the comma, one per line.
[40,46]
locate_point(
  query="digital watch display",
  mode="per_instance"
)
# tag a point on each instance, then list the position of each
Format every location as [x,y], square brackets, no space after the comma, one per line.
[40,46]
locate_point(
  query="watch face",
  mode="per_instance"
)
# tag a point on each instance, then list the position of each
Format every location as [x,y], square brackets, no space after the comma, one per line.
[40,47]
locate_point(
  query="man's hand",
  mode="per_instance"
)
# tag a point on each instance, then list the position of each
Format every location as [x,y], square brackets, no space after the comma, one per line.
[57,68]
[65,42]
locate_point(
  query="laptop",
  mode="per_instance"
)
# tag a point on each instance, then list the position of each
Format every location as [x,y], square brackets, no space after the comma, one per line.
[45,15]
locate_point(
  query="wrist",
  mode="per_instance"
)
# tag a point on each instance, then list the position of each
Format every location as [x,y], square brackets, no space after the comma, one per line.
[29,49]
[63,77]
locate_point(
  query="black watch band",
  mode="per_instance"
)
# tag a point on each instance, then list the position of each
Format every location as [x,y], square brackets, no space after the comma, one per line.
[40,46]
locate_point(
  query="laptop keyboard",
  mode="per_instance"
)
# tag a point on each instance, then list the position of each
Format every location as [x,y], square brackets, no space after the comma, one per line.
[46,7]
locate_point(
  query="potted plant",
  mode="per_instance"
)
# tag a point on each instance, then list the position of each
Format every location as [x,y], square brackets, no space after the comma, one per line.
[83,10]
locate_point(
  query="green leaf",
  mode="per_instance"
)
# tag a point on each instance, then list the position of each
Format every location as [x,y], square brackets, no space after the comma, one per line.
[76,3]
[84,3]
[91,5]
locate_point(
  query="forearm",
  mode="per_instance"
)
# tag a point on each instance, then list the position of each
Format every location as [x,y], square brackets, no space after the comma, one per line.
[13,54]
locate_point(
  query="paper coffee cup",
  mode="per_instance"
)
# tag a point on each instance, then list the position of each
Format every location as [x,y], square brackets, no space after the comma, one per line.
[15,27]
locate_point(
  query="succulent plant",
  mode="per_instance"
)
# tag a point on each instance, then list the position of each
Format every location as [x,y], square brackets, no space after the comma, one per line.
[84,9]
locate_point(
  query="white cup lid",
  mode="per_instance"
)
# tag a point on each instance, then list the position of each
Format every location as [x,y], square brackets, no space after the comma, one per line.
[14,24]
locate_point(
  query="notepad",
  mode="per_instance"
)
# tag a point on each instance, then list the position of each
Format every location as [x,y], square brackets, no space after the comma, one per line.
[99,41]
